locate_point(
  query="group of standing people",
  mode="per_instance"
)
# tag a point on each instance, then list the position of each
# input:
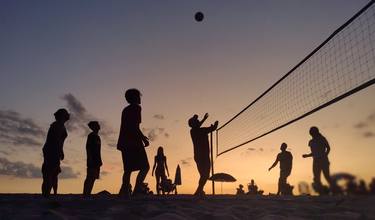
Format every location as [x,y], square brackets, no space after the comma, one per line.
[132,143]
[320,149]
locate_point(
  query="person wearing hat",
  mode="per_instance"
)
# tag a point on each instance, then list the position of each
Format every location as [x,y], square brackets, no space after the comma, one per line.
[94,160]
[53,151]
[319,152]
[199,136]
[132,143]
[285,158]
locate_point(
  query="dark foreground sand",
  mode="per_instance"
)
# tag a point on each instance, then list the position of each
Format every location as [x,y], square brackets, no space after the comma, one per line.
[27,206]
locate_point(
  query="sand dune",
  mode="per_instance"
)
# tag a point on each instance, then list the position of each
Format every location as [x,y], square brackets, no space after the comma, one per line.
[29,206]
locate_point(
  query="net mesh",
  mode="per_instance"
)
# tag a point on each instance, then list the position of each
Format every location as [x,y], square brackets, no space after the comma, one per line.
[340,66]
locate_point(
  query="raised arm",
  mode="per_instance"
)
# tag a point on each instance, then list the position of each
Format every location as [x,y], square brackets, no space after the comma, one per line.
[204,119]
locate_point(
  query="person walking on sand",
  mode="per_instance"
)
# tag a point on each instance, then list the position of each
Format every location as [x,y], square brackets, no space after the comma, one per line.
[132,143]
[285,158]
[160,163]
[53,151]
[319,152]
[94,160]
[199,136]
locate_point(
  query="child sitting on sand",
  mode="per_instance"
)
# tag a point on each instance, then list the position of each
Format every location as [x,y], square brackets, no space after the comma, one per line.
[94,160]
[199,136]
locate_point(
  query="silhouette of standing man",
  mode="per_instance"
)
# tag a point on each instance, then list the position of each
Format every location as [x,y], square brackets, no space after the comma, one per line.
[199,136]
[319,152]
[53,151]
[94,160]
[132,143]
[285,158]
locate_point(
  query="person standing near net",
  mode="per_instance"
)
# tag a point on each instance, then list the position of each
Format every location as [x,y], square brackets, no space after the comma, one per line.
[319,152]
[286,159]
[199,136]
[132,143]
[94,160]
[53,151]
[160,164]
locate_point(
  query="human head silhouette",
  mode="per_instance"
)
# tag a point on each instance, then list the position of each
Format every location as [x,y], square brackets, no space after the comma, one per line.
[94,126]
[193,122]
[133,96]
[314,131]
[160,151]
[62,115]
[283,147]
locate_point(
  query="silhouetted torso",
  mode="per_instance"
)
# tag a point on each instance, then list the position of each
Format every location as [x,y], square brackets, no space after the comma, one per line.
[285,159]
[53,148]
[160,167]
[318,147]
[129,131]
[200,142]
[93,146]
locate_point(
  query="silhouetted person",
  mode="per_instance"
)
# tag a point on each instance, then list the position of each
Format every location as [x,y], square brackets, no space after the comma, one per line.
[132,143]
[160,163]
[94,160]
[319,152]
[351,187]
[252,187]
[285,158]
[240,190]
[372,186]
[199,136]
[362,189]
[53,151]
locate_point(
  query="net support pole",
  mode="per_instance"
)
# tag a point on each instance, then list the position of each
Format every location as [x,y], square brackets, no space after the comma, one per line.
[212,161]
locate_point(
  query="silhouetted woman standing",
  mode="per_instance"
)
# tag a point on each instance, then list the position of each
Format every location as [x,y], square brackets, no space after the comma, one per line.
[53,151]
[161,165]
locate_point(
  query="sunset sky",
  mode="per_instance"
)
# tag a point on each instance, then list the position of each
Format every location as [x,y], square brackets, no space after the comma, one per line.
[83,55]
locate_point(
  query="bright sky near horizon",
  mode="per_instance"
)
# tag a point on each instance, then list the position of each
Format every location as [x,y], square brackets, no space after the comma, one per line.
[83,55]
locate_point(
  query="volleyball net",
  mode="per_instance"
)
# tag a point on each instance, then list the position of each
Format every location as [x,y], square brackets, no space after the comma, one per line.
[339,67]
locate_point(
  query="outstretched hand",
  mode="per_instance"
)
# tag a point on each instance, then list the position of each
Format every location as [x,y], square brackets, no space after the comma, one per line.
[146,141]
[205,116]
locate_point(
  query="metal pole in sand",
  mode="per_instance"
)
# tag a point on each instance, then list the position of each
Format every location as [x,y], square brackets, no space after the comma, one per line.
[212,162]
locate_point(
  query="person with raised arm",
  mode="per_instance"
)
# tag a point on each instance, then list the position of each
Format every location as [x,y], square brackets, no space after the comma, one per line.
[199,136]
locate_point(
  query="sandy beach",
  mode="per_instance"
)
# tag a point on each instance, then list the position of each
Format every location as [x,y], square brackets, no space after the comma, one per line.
[33,206]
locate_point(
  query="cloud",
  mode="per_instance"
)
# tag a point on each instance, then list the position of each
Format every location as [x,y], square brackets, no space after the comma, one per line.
[368,134]
[23,170]
[68,173]
[19,169]
[360,125]
[17,130]
[159,116]
[365,126]
[80,117]
[154,133]
[186,162]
